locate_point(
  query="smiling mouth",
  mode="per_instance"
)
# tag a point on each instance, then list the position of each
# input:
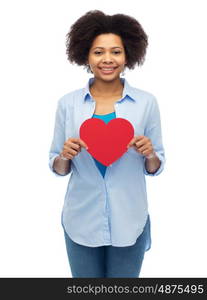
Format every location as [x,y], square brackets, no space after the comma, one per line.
[107,70]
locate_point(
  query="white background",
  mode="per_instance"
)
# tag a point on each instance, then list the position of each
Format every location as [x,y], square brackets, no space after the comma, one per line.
[35,73]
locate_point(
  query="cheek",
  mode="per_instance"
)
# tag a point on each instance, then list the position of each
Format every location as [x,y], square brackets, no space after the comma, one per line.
[95,63]
[121,62]
[93,60]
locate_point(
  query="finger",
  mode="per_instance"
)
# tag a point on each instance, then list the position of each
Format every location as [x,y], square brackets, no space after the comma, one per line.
[131,142]
[72,148]
[146,152]
[68,156]
[74,145]
[134,140]
[140,143]
[72,152]
[142,149]
[83,144]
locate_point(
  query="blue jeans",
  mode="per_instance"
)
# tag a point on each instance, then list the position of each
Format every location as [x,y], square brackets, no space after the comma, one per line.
[107,261]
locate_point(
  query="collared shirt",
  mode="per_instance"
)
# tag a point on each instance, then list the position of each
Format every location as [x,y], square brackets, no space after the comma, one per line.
[109,210]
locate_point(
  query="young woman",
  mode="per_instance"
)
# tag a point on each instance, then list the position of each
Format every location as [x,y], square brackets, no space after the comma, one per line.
[105,215]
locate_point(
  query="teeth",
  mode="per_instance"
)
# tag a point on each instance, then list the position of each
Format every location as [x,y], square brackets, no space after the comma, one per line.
[107,69]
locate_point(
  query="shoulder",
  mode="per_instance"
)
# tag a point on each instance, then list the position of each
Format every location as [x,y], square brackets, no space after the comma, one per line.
[143,94]
[142,97]
[67,100]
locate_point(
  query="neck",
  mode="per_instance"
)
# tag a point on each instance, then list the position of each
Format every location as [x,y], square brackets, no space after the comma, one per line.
[106,88]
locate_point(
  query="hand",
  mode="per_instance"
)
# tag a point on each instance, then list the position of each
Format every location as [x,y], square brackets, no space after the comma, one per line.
[142,144]
[72,147]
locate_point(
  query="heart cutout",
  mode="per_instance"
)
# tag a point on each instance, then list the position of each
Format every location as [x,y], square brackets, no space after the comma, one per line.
[106,142]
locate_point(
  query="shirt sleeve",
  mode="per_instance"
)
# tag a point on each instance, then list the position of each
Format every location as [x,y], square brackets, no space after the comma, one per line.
[58,136]
[154,132]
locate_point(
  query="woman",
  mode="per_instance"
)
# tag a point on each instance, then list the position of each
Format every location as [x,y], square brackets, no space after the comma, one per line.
[105,215]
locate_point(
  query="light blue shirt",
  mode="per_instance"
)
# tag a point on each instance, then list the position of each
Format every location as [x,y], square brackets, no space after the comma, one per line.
[112,209]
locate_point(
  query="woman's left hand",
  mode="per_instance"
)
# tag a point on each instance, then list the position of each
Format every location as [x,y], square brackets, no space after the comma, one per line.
[142,144]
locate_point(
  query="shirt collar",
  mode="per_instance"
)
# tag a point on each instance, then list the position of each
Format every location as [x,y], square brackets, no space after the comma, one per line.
[127,91]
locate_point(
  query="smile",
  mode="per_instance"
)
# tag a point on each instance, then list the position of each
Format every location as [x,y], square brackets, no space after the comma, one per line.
[107,70]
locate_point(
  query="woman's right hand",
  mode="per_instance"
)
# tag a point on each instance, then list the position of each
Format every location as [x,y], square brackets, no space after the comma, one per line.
[72,147]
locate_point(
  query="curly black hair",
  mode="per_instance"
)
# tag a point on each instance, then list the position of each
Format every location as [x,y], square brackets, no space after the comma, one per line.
[82,33]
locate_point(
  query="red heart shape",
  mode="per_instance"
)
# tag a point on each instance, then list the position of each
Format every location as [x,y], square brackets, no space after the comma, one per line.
[106,142]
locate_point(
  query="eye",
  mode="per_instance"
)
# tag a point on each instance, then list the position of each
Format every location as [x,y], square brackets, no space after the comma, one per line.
[98,52]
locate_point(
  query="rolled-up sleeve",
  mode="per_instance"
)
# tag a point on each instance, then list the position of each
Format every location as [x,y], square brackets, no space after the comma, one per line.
[58,135]
[154,132]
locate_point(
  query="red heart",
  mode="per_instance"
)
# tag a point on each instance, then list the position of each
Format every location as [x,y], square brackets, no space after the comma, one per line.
[106,142]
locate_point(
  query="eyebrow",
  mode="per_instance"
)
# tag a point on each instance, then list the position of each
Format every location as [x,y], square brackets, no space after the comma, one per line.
[103,47]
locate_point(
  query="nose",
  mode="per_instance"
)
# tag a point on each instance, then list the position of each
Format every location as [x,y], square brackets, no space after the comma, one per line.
[107,57]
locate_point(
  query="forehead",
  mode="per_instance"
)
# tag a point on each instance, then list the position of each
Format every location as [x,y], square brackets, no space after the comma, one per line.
[107,40]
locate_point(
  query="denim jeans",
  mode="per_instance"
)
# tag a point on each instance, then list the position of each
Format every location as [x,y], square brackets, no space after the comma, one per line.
[107,261]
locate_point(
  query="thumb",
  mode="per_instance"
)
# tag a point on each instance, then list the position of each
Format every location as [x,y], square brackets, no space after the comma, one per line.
[131,142]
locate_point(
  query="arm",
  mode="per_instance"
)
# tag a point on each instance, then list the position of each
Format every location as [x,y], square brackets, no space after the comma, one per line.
[57,165]
[62,167]
[154,165]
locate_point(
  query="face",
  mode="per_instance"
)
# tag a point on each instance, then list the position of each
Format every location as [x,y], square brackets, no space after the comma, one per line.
[107,57]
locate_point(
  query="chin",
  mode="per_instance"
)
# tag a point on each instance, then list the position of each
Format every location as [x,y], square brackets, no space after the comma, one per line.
[107,77]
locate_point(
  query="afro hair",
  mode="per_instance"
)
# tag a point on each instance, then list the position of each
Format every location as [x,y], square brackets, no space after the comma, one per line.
[82,33]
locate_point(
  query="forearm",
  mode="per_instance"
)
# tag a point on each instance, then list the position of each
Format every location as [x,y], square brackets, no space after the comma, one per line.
[152,164]
[61,166]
